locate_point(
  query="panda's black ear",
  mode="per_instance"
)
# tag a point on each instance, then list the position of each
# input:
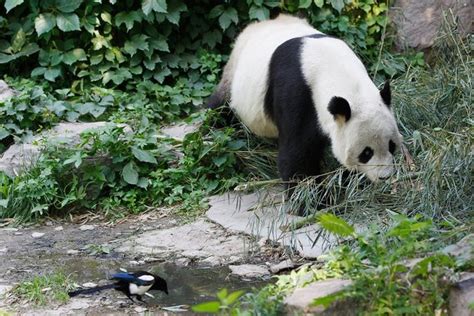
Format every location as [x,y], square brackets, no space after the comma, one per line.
[386,94]
[339,107]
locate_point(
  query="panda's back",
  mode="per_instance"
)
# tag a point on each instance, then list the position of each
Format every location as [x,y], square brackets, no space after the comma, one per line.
[252,53]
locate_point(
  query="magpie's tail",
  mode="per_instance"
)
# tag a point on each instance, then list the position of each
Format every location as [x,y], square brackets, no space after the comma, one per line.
[92,290]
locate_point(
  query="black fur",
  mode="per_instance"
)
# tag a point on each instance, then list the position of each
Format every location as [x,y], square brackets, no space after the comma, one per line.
[340,107]
[289,103]
[386,94]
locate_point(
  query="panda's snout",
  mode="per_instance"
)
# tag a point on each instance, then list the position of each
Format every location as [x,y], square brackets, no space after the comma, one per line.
[384,178]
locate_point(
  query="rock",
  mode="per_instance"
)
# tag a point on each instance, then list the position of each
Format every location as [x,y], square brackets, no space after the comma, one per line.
[87,227]
[242,213]
[198,241]
[250,271]
[19,157]
[4,289]
[179,131]
[463,250]
[182,262]
[140,309]
[284,265]
[418,23]
[89,284]
[3,250]
[5,91]
[72,252]
[59,228]
[37,235]
[78,304]
[461,295]
[302,298]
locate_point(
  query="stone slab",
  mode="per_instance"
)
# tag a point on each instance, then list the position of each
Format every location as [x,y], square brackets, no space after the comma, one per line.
[245,214]
[461,296]
[200,241]
[250,270]
[302,298]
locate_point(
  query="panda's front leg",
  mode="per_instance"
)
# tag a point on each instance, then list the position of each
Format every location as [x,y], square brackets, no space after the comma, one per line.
[298,158]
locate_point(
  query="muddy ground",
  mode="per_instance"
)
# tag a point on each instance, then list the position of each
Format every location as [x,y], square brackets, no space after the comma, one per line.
[85,248]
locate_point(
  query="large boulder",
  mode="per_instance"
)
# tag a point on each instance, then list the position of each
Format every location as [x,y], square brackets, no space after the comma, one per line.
[5,91]
[19,157]
[418,22]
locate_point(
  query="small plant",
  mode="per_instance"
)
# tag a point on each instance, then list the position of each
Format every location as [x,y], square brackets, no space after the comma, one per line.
[45,289]
[383,282]
[97,250]
[224,305]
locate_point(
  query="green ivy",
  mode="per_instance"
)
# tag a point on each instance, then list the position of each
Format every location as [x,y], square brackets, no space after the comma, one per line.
[72,42]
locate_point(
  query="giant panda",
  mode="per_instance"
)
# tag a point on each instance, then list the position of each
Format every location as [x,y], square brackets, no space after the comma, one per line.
[286,80]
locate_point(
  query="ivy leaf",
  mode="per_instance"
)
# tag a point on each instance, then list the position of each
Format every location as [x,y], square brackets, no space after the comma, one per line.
[96,59]
[216,11]
[143,155]
[304,4]
[227,17]
[138,42]
[159,44]
[130,174]
[154,5]
[335,225]
[143,182]
[76,159]
[97,111]
[74,55]
[337,4]
[44,23]
[174,11]
[3,133]
[319,3]
[127,18]
[38,71]
[10,4]
[68,22]
[259,13]
[68,6]
[18,40]
[52,73]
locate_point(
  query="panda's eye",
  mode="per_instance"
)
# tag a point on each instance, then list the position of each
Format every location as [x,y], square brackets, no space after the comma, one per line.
[366,154]
[391,147]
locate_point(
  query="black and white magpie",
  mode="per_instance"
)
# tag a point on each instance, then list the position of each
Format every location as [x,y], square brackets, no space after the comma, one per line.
[132,284]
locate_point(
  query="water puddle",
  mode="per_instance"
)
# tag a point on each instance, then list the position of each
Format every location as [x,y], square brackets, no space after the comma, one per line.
[186,285]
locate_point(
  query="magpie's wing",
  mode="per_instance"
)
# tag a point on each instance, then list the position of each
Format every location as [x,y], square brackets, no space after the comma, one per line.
[129,277]
[124,276]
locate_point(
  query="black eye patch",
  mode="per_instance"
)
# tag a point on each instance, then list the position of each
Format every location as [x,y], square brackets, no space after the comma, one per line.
[391,147]
[366,154]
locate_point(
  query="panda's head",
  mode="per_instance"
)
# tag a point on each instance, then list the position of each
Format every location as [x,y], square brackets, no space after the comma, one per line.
[367,136]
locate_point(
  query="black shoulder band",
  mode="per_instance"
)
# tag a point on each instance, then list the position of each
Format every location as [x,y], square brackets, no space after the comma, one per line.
[317,35]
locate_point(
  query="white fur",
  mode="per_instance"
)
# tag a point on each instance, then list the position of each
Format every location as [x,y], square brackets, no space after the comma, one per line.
[251,56]
[331,69]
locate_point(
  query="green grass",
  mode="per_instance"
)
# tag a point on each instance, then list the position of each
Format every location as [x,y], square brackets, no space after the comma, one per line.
[44,289]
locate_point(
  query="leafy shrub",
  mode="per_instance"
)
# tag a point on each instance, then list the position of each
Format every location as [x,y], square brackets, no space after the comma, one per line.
[135,172]
[111,42]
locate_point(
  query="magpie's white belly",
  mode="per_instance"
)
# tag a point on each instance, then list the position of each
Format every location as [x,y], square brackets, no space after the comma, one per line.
[138,290]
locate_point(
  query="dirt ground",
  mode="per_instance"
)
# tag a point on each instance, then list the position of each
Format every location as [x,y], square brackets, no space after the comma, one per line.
[84,248]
